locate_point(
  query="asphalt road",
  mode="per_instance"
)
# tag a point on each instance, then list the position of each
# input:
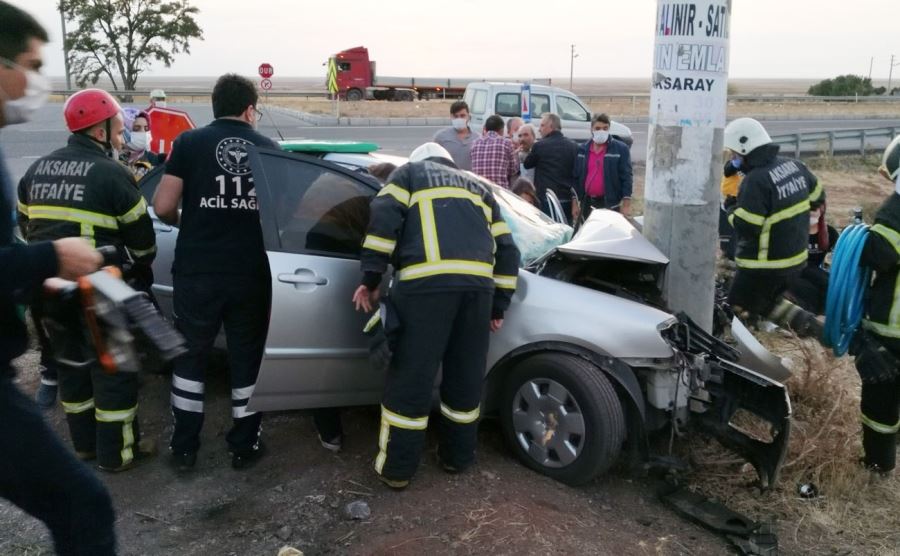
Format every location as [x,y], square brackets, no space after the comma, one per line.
[22,144]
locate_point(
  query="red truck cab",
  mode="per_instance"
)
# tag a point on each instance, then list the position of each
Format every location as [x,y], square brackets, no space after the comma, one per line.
[355,72]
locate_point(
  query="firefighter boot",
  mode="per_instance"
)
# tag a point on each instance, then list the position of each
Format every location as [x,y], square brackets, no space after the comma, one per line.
[801,321]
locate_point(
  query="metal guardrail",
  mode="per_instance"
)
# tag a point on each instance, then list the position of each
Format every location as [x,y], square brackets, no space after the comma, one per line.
[192,94]
[844,140]
[632,97]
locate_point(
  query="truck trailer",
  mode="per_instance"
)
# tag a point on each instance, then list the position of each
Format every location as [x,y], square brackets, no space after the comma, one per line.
[357,80]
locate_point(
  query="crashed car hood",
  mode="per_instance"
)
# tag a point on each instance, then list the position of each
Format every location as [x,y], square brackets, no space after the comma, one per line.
[609,235]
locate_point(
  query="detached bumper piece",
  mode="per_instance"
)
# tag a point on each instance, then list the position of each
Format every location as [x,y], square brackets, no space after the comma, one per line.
[748,536]
[750,414]
[746,411]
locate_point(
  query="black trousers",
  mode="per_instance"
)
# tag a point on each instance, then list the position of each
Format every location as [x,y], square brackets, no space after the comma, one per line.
[880,415]
[758,291]
[101,411]
[39,475]
[203,304]
[450,330]
[49,371]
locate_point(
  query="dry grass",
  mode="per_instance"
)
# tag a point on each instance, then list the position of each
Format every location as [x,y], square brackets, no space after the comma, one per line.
[856,512]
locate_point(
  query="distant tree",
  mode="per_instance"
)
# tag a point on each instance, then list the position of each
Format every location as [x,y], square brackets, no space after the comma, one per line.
[843,86]
[121,39]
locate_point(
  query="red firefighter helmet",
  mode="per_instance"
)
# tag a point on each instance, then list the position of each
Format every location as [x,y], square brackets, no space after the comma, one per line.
[89,107]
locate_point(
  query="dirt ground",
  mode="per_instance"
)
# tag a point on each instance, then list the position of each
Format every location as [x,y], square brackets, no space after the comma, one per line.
[297,494]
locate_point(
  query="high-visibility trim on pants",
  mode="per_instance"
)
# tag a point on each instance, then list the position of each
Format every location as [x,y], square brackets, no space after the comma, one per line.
[403,422]
[78,407]
[882,329]
[383,437]
[462,417]
[185,404]
[879,427]
[123,415]
[390,419]
[126,417]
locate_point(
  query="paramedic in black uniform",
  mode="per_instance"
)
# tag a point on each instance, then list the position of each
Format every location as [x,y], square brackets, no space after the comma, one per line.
[221,273]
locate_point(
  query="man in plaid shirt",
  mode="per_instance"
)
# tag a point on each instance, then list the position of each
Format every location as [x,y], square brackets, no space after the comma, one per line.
[493,155]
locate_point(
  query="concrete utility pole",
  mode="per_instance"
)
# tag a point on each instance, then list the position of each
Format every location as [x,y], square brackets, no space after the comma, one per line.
[688,102]
[891,74]
[572,57]
[62,19]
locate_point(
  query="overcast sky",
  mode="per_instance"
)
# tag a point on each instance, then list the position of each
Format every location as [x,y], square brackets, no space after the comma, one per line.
[526,38]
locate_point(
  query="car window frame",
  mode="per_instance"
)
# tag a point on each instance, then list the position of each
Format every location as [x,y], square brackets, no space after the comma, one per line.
[576,103]
[534,113]
[269,226]
[481,95]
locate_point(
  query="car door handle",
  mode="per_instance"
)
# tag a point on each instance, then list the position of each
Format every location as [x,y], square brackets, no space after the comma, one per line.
[305,278]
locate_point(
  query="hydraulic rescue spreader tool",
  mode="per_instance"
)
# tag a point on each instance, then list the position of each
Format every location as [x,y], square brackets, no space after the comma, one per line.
[101,320]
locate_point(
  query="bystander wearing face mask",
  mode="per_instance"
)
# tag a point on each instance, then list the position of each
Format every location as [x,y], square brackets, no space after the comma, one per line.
[600,136]
[459,124]
[37,89]
[139,141]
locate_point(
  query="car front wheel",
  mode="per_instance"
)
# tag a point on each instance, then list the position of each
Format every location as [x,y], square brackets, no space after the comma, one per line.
[562,417]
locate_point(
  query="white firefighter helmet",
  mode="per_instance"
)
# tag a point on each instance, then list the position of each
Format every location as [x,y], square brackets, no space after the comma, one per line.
[158,94]
[429,150]
[890,162]
[744,135]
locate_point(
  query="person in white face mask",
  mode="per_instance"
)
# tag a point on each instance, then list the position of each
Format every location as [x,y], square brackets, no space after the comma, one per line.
[138,140]
[459,137]
[603,174]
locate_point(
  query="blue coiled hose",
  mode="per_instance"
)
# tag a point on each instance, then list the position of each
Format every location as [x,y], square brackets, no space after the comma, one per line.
[846,289]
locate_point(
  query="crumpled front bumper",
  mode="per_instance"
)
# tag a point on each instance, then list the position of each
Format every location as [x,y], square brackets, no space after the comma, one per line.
[747,411]
[762,433]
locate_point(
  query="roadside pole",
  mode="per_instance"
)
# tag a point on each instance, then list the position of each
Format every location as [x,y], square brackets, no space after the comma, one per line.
[688,103]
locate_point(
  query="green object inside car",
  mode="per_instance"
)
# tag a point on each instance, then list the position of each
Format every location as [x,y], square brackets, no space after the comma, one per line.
[312,146]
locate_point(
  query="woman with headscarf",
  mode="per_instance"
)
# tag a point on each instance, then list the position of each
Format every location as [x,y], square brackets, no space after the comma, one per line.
[137,155]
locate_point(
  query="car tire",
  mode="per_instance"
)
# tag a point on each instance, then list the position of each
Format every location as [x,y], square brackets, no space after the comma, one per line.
[561,416]
[354,95]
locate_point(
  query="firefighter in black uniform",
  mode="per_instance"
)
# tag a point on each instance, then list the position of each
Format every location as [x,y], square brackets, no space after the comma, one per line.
[456,267]
[221,272]
[82,190]
[771,222]
[877,349]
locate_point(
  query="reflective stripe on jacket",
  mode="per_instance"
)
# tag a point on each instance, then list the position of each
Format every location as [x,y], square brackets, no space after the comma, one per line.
[882,254]
[772,213]
[79,191]
[442,230]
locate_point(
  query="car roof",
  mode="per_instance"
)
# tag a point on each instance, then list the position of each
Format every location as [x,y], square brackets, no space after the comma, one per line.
[517,86]
[319,146]
[363,160]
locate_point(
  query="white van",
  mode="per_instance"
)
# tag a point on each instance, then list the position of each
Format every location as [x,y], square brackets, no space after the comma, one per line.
[505,99]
